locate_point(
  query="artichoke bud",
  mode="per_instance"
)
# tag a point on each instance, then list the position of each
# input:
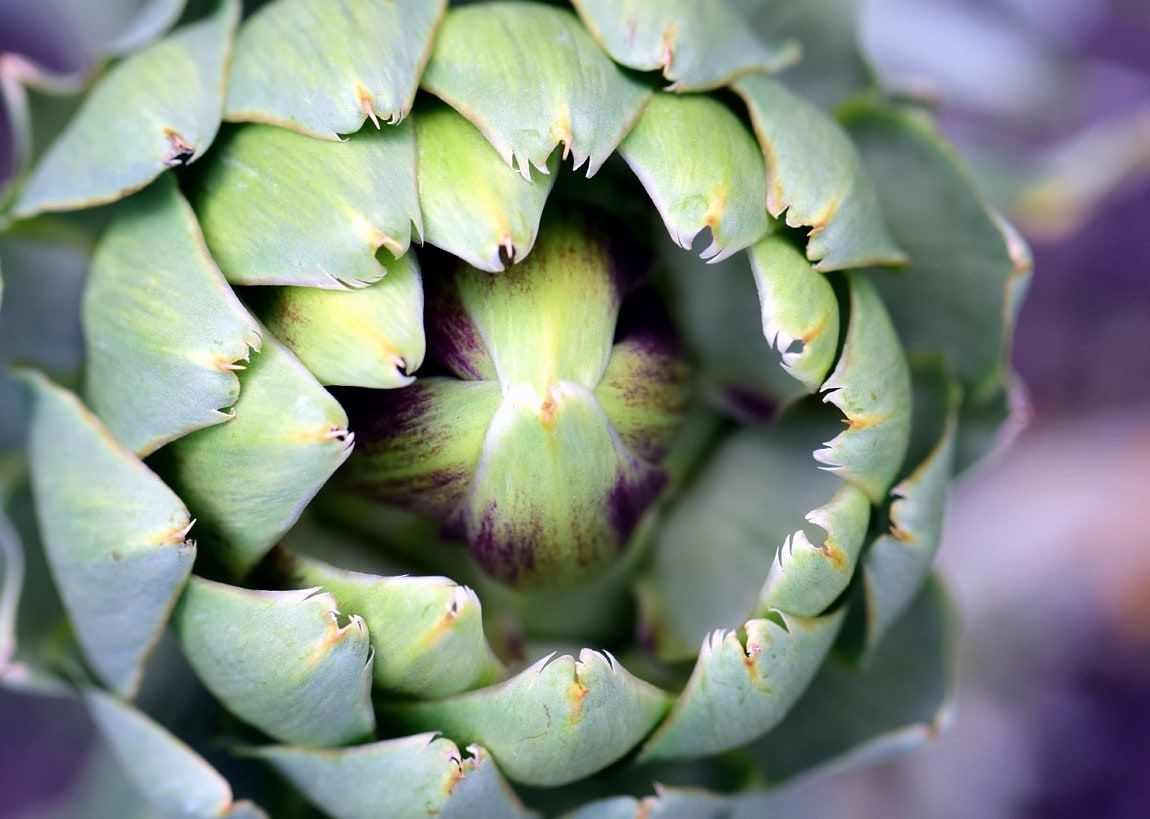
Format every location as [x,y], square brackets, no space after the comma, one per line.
[539,445]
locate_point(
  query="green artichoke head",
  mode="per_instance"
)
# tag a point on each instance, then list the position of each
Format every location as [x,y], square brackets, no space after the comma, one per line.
[492,406]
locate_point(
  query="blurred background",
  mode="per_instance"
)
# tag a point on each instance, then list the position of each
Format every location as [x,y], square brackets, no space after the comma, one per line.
[1047,550]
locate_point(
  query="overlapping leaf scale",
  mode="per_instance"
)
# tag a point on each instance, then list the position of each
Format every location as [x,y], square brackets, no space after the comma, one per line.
[699,45]
[557,722]
[370,337]
[427,632]
[323,69]
[415,775]
[114,535]
[815,176]
[871,386]
[158,108]
[668,803]
[248,480]
[530,77]
[164,333]
[474,206]
[280,660]
[702,169]
[169,774]
[267,222]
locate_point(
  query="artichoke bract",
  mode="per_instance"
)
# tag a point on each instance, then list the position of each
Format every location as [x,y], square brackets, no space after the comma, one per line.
[486,408]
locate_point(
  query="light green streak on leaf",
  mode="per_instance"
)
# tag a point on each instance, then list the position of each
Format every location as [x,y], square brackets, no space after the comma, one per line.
[697,44]
[427,632]
[324,69]
[814,174]
[702,169]
[530,77]
[248,480]
[169,774]
[114,535]
[268,222]
[806,578]
[163,330]
[742,687]
[871,386]
[158,108]
[669,803]
[279,660]
[959,295]
[473,205]
[372,337]
[415,775]
[557,722]
[896,701]
[799,310]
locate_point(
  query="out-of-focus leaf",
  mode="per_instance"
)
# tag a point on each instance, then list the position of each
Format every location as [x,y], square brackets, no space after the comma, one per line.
[558,721]
[697,44]
[268,222]
[420,774]
[156,109]
[113,532]
[279,660]
[530,77]
[156,17]
[161,366]
[324,69]
[668,803]
[702,169]
[814,175]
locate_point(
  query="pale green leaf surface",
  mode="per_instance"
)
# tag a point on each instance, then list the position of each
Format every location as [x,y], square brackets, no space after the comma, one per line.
[413,776]
[248,480]
[702,169]
[697,44]
[163,331]
[815,176]
[114,535]
[371,337]
[279,660]
[799,311]
[322,69]
[158,108]
[557,722]
[897,700]
[427,632]
[173,777]
[268,222]
[530,77]
[668,803]
[743,686]
[473,205]
[150,22]
[871,386]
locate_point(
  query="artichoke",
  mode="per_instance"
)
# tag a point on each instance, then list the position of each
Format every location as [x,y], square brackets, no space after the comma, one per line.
[617,495]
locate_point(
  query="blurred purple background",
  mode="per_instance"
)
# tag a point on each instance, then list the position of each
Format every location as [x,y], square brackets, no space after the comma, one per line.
[1048,549]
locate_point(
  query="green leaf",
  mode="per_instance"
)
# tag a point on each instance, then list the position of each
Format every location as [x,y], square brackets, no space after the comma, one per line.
[557,722]
[279,660]
[164,333]
[799,310]
[372,337]
[156,109]
[416,775]
[530,77]
[268,222]
[697,44]
[668,803]
[743,686]
[473,205]
[169,774]
[702,169]
[814,174]
[427,632]
[322,70]
[248,480]
[871,386]
[151,21]
[114,535]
